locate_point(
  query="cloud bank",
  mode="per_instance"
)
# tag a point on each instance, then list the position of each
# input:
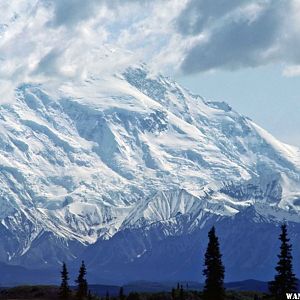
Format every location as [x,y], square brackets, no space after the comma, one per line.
[70,39]
[240,34]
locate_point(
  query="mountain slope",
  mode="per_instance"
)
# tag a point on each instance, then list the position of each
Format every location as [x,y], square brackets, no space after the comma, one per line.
[132,153]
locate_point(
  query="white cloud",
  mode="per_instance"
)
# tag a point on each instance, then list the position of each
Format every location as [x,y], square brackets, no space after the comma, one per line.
[68,39]
[291,71]
[243,34]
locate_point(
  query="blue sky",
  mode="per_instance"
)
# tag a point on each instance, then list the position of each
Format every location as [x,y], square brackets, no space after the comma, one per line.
[249,60]
[262,93]
[244,52]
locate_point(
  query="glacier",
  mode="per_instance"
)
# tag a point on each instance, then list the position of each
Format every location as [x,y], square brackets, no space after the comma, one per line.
[128,171]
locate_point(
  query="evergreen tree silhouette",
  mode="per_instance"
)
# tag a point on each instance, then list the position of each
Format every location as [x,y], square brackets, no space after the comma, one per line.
[121,293]
[285,280]
[181,293]
[173,293]
[89,296]
[82,286]
[64,290]
[133,296]
[107,296]
[214,269]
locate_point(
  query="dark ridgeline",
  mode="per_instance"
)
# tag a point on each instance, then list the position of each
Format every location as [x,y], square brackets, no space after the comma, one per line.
[285,280]
[214,269]
[64,290]
[82,286]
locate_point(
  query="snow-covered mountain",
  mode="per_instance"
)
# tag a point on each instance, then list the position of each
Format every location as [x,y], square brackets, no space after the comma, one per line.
[129,171]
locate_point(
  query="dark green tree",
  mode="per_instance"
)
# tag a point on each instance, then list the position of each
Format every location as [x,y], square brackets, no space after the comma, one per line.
[173,293]
[285,280]
[181,293]
[133,296]
[213,269]
[107,296]
[82,286]
[64,290]
[121,293]
[89,295]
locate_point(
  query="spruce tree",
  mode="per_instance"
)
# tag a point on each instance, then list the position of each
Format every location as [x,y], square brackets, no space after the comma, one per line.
[82,286]
[285,280]
[181,293]
[133,296]
[89,296]
[121,293]
[173,293]
[107,296]
[214,269]
[64,290]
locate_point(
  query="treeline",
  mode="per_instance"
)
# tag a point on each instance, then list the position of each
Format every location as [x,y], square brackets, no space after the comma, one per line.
[284,281]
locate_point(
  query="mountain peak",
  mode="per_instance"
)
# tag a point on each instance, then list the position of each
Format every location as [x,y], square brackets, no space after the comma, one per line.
[82,162]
